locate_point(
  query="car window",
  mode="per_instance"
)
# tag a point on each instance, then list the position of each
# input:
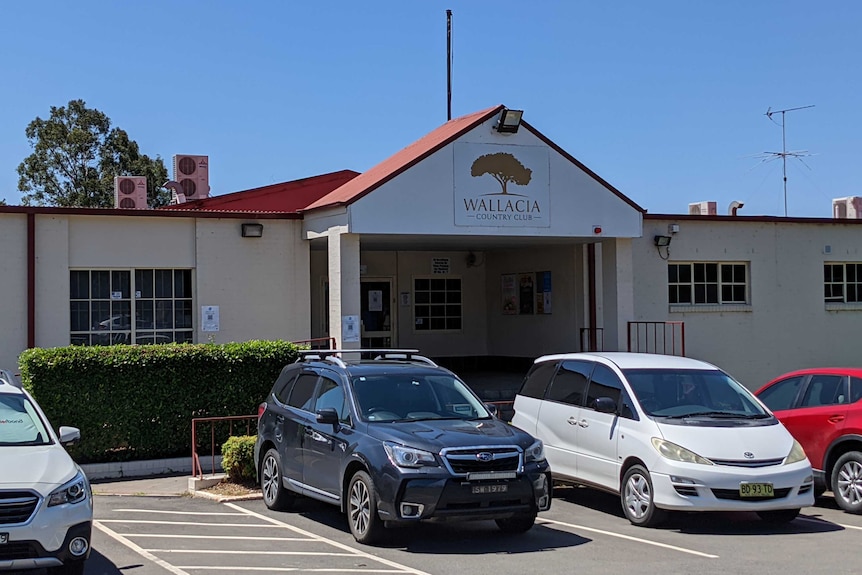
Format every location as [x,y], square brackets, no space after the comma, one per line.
[825,390]
[603,383]
[570,384]
[302,394]
[283,384]
[855,389]
[537,380]
[331,394]
[781,395]
[20,423]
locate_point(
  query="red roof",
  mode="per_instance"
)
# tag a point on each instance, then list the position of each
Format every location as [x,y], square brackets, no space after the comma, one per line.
[409,156]
[284,197]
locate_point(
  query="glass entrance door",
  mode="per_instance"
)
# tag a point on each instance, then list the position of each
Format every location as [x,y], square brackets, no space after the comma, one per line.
[376,309]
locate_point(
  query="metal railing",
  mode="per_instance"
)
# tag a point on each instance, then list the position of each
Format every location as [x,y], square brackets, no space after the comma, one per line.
[230,420]
[592,339]
[665,337]
[317,342]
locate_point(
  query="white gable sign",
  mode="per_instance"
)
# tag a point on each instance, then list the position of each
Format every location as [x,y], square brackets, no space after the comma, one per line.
[502,186]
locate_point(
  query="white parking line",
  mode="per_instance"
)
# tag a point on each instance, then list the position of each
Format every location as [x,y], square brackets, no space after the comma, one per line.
[231,537]
[177,512]
[286,569]
[630,538]
[138,549]
[401,568]
[186,523]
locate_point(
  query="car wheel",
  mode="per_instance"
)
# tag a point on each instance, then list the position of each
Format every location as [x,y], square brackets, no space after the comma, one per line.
[76,568]
[365,524]
[275,496]
[847,482]
[637,498]
[778,515]
[517,523]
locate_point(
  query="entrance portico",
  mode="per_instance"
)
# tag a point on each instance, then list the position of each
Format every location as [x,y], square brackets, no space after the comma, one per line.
[473,242]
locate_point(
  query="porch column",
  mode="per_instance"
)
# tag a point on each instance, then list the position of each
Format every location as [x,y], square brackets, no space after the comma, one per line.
[344,288]
[618,288]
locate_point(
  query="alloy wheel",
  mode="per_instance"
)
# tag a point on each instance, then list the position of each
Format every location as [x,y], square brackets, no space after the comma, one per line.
[360,507]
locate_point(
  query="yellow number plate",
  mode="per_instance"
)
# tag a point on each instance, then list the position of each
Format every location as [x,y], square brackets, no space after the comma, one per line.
[756,490]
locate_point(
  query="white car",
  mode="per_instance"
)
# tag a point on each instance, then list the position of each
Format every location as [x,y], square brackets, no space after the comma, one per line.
[46,504]
[665,433]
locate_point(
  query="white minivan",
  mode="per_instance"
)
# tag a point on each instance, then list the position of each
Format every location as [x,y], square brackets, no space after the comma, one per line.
[665,433]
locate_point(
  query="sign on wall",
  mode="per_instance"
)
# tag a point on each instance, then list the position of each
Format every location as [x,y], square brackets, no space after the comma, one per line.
[502,186]
[209,318]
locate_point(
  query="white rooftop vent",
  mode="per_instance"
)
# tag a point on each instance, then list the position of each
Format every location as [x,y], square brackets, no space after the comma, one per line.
[703,209]
[847,208]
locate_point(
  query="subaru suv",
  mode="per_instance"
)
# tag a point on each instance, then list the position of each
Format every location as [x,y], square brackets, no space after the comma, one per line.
[394,439]
[46,505]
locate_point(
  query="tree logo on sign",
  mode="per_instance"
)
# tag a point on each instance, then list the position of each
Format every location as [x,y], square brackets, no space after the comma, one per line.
[504,168]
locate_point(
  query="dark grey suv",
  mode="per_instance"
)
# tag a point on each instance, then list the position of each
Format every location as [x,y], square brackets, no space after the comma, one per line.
[394,439]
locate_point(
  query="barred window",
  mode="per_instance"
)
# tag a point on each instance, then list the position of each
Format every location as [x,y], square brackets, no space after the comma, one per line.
[842,282]
[707,283]
[437,304]
[103,304]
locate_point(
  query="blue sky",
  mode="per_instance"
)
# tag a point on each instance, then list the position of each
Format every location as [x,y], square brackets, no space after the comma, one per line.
[665,100]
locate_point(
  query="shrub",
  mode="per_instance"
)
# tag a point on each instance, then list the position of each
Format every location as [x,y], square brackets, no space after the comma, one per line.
[135,402]
[238,458]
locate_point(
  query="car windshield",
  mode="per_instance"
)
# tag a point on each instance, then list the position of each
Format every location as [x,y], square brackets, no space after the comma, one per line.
[692,393]
[20,424]
[400,397]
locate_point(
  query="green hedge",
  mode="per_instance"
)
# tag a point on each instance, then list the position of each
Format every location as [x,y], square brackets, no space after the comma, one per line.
[135,402]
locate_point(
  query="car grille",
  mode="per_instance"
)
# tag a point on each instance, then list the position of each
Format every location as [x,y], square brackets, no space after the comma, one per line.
[734,494]
[18,550]
[748,463]
[479,459]
[17,506]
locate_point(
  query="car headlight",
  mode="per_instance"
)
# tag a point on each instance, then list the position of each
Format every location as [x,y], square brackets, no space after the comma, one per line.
[674,452]
[402,456]
[797,454]
[535,452]
[73,491]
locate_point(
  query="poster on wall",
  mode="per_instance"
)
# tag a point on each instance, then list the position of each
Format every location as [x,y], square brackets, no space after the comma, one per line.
[543,292]
[209,318]
[510,295]
[375,300]
[349,328]
[526,293]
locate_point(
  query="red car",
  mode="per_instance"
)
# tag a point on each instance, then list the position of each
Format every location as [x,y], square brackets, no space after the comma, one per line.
[822,409]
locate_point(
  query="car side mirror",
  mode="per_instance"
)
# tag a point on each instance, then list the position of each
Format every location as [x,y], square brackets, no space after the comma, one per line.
[605,405]
[69,435]
[327,415]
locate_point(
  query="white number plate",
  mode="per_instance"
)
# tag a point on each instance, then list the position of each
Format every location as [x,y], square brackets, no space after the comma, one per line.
[490,488]
[4,538]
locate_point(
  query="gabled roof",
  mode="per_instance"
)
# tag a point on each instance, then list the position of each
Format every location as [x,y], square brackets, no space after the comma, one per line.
[290,196]
[428,145]
[409,156]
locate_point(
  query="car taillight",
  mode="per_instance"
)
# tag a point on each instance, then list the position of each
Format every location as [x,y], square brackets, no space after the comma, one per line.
[260,409]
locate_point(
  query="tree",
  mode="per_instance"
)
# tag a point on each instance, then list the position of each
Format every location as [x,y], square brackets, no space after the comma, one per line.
[502,167]
[76,155]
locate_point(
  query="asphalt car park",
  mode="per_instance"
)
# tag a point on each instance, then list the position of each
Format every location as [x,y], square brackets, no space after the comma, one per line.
[584,529]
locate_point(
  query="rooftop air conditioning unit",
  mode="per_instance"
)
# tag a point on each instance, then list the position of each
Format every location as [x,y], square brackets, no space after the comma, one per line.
[703,209]
[847,208]
[130,192]
[192,173]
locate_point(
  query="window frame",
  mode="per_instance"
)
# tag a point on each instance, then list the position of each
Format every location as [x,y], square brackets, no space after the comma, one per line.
[419,302]
[842,284]
[699,280]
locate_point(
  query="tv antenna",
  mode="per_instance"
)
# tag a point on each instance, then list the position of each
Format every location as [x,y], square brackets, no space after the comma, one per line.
[783,154]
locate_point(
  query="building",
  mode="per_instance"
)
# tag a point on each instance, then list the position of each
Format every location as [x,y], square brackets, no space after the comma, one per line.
[480,243]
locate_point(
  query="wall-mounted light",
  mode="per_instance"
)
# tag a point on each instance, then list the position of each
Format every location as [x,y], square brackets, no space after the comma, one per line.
[252,230]
[661,241]
[510,121]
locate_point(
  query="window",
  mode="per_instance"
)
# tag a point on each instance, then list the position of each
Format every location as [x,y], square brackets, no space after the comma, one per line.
[537,379]
[302,393]
[842,282]
[604,383]
[825,390]
[332,395]
[707,283]
[781,395]
[437,304]
[570,383]
[103,304]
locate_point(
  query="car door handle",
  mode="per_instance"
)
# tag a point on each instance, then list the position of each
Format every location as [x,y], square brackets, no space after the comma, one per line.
[584,423]
[836,418]
[572,421]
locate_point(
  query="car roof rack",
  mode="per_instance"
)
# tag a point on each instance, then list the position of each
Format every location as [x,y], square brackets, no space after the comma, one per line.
[333,355]
[9,378]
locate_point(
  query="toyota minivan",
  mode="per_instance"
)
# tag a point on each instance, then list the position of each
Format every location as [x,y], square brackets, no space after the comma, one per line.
[664,433]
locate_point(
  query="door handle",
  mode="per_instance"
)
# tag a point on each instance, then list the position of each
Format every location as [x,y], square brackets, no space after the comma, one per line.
[836,418]
[572,421]
[584,423]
